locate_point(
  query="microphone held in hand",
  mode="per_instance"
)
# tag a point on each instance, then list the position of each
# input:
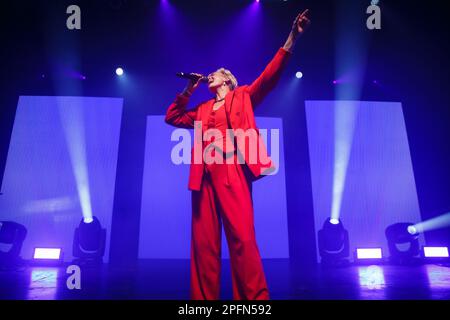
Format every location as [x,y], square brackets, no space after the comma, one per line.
[192,76]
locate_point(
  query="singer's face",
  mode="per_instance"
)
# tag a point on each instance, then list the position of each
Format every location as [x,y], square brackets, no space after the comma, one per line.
[215,80]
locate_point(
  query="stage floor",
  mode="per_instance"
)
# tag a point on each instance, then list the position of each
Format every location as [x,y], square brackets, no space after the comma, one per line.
[169,279]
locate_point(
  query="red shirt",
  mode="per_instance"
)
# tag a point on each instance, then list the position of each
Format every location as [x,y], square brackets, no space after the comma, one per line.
[217,120]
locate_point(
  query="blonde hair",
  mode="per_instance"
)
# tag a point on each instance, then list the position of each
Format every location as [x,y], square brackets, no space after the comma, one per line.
[227,73]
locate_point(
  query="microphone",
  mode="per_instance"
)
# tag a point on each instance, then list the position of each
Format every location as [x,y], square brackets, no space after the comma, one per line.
[191,76]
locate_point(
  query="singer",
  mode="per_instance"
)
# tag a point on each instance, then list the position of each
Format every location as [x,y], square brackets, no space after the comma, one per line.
[221,193]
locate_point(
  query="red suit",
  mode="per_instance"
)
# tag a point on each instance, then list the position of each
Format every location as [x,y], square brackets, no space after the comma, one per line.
[221,193]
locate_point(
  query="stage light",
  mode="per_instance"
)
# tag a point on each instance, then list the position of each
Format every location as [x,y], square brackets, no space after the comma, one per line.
[119,71]
[435,252]
[88,220]
[345,115]
[412,230]
[89,243]
[47,254]
[12,235]
[334,221]
[73,124]
[333,243]
[335,82]
[371,277]
[439,222]
[399,235]
[369,253]
[299,75]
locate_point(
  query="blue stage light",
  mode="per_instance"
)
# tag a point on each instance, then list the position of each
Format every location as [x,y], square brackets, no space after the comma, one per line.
[333,243]
[88,220]
[435,252]
[299,75]
[439,222]
[334,221]
[89,242]
[399,235]
[119,71]
[47,253]
[369,253]
[412,230]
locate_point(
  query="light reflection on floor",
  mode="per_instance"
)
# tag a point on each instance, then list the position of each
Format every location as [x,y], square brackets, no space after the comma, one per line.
[371,282]
[371,277]
[438,279]
[149,281]
[43,283]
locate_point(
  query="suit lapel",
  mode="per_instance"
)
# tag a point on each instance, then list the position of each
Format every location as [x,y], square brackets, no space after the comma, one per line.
[206,112]
[229,100]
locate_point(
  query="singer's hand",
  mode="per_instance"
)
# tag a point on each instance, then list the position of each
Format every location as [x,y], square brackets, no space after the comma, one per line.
[298,27]
[192,86]
[300,23]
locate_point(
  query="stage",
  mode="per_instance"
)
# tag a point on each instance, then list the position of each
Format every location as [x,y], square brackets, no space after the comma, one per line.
[115,152]
[169,280]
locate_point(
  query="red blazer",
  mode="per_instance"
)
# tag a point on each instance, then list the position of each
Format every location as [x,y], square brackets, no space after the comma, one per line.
[239,105]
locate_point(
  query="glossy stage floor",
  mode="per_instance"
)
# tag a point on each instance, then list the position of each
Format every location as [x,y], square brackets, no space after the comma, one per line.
[169,279]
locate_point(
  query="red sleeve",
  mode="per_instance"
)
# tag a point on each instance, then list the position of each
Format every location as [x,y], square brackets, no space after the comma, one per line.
[178,116]
[269,77]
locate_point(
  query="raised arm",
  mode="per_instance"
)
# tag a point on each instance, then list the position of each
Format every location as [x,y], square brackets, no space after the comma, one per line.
[176,114]
[272,73]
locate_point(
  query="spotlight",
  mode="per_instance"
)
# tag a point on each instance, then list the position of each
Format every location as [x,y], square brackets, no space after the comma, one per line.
[299,75]
[47,253]
[47,256]
[434,253]
[403,242]
[12,235]
[435,223]
[412,230]
[334,221]
[333,243]
[119,71]
[368,255]
[89,242]
[88,220]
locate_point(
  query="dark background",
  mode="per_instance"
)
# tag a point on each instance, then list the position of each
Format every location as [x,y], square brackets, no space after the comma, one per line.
[408,58]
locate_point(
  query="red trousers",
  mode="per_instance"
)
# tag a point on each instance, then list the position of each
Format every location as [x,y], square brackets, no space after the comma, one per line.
[225,198]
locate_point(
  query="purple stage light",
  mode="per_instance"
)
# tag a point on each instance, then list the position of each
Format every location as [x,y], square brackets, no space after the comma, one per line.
[47,254]
[369,253]
[335,82]
[435,252]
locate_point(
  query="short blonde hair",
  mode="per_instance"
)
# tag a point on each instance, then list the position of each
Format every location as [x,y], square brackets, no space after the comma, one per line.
[227,73]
